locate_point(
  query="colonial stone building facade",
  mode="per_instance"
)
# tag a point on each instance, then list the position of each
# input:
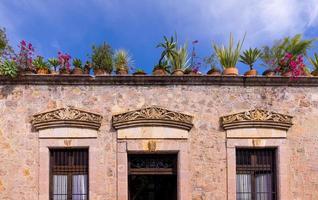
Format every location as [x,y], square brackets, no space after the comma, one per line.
[131,137]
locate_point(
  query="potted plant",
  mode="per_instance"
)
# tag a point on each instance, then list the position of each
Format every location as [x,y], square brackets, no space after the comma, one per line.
[25,57]
[54,63]
[139,72]
[229,56]
[286,56]
[121,61]
[314,62]
[9,68]
[87,67]
[168,53]
[192,71]
[211,62]
[64,61]
[102,59]
[180,61]
[77,63]
[40,65]
[249,57]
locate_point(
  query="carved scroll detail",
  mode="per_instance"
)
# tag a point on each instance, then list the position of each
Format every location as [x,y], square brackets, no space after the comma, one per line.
[66,117]
[257,118]
[152,116]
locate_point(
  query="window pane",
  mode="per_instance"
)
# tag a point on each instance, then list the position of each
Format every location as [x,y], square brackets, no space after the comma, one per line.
[263,186]
[59,187]
[243,187]
[79,188]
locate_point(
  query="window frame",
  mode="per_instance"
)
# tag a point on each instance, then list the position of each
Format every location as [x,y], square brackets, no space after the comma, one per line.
[253,168]
[69,173]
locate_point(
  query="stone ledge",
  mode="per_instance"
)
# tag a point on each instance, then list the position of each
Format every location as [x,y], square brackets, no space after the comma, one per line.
[160,80]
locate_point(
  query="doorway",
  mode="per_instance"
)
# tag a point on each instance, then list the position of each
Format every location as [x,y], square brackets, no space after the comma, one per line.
[152,176]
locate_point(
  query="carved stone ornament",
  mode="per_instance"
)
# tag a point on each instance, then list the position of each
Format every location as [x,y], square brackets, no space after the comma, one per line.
[257,118]
[66,117]
[152,116]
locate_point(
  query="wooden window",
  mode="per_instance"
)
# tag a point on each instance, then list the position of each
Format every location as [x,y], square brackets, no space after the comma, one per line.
[256,174]
[69,174]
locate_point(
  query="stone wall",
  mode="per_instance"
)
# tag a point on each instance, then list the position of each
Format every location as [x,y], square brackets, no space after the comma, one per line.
[19,152]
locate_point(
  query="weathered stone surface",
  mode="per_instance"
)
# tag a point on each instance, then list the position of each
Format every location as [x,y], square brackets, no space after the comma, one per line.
[19,144]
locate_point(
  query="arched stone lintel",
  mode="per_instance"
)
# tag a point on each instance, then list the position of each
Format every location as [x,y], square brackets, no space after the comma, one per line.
[66,117]
[257,119]
[152,116]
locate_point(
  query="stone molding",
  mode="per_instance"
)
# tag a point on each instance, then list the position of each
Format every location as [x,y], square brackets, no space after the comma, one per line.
[66,117]
[257,119]
[160,80]
[152,116]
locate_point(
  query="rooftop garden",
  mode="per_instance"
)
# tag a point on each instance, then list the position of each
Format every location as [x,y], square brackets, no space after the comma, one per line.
[286,57]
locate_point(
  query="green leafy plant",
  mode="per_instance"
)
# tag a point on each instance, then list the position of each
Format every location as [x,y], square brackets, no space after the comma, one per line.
[9,68]
[229,56]
[250,56]
[211,62]
[169,51]
[140,70]
[102,57]
[54,63]
[77,63]
[164,65]
[181,59]
[314,61]
[122,59]
[39,63]
[6,50]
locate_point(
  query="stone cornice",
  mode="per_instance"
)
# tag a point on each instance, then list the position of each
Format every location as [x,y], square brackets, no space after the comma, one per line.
[152,116]
[160,80]
[257,118]
[66,117]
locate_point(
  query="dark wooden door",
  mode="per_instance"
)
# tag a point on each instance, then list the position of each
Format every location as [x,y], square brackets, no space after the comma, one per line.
[152,177]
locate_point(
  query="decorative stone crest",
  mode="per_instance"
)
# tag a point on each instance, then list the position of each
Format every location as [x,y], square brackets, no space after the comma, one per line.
[257,118]
[66,117]
[152,116]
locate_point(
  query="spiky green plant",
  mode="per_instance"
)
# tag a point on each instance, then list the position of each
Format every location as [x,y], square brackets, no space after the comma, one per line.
[102,57]
[169,49]
[229,56]
[296,45]
[77,63]
[122,59]
[314,61]
[9,68]
[54,63]
[250,56]
[181,60]
[39,63]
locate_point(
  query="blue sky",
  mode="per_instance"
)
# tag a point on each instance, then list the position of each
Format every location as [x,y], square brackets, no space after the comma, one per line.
[73,26]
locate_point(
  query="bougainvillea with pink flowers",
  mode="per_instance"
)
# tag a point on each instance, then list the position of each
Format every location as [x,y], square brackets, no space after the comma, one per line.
[64,60]
[291,63]
[25,56]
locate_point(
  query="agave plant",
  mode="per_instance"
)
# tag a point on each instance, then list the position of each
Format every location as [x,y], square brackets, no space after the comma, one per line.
[314,61]
[181,59]
[39,63]
[9,68]
[77,63]
[122,59]
[169,49]
[250,56]
[229,56]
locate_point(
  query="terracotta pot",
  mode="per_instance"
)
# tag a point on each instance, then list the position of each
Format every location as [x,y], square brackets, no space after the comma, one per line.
[213,72]
[268,73]
[65,72]
[314,73]
[122,72]
[42,71]
[230,71]
[192,73]
[178,72]
[100,72]
[139,73]
[252,72]
[159,72]
[55,72]
[287,74]
[77,71]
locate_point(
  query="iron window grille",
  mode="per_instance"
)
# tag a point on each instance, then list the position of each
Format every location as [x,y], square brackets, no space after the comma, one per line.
[256,174]
[69,174]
